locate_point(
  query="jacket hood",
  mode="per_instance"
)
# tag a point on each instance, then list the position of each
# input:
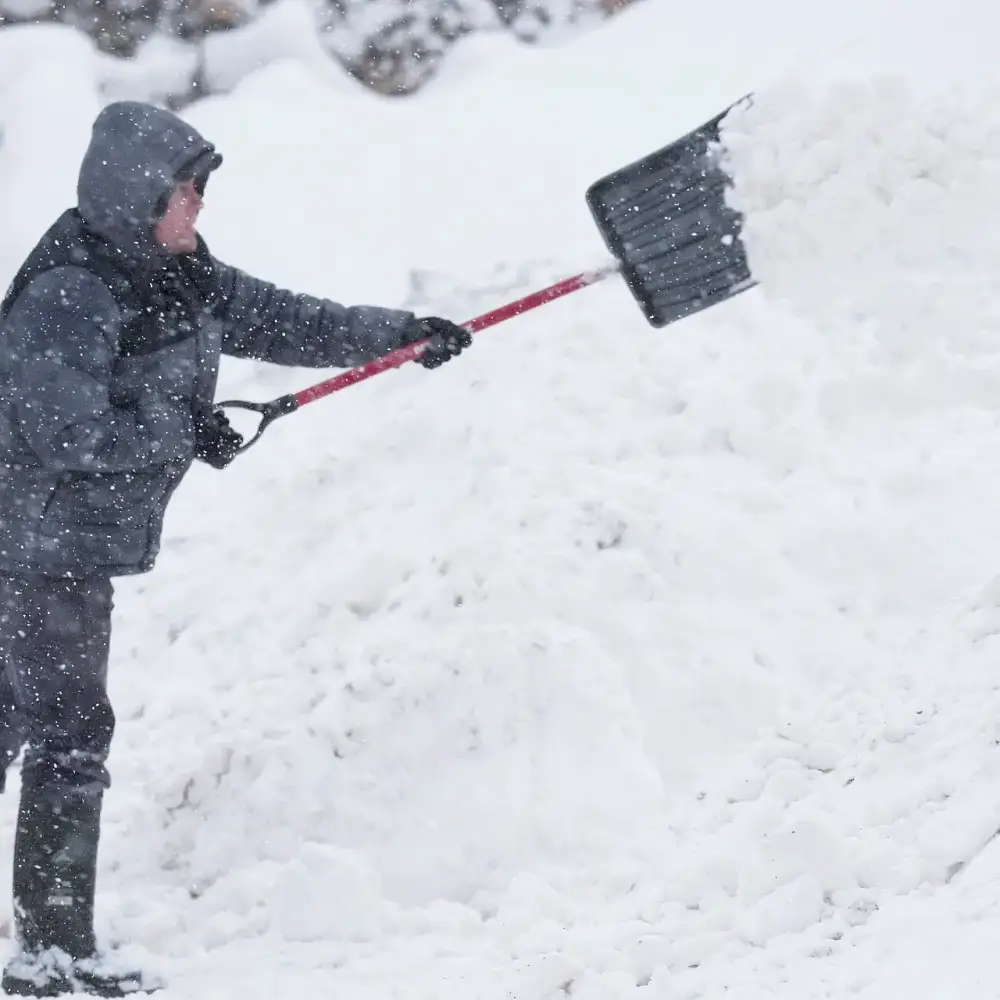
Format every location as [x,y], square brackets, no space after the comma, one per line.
[136,156]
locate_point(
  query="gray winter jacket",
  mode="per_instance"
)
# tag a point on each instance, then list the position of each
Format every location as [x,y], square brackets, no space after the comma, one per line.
[109,346]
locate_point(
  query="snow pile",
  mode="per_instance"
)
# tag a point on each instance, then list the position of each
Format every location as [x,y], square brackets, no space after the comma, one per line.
[509,654]
[604,657]
[914,172]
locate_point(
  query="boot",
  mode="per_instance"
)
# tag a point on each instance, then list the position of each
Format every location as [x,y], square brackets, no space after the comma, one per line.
[55,873]
[53,974]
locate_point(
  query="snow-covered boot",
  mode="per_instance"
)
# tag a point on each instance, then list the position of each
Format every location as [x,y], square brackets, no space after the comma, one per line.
[55,873]
[53,973]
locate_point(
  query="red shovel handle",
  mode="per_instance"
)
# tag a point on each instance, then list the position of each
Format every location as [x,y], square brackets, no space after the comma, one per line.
[413,351]
[288,404]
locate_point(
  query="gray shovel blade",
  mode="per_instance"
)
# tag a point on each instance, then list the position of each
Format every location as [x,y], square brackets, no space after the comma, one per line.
[666,221]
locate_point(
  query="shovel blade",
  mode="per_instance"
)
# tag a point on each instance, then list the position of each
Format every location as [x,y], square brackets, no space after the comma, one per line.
[666,221]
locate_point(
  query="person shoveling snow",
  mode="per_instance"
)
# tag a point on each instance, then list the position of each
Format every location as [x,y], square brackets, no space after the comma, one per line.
[110,342]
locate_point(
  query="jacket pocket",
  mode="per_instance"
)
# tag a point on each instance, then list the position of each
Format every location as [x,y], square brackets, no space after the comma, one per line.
[105,500]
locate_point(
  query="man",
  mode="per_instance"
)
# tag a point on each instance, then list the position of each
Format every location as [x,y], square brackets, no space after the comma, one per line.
[110,339]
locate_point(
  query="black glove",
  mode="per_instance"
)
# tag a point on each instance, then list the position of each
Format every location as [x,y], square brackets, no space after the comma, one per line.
[446,340]
[215,442]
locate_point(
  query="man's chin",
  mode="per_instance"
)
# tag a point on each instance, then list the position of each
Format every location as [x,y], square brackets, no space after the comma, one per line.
[186,246]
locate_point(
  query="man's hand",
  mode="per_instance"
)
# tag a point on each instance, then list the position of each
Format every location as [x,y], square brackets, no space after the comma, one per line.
[215,441]
[446,340]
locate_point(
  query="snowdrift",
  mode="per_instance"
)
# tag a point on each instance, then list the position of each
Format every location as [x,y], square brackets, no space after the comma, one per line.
[604,658]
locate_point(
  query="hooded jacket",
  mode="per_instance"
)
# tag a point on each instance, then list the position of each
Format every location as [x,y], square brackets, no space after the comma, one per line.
[109,347]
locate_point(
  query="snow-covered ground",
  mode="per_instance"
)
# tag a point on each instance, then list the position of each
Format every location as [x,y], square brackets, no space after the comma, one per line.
[604,659]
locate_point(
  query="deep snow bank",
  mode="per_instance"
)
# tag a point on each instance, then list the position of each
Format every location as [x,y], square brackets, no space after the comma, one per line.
[647,549]
[605,656]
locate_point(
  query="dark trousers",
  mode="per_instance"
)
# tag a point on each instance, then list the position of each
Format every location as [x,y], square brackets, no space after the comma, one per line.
[54,643]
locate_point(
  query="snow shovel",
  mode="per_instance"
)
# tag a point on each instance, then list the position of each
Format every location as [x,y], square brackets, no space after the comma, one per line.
[674,239]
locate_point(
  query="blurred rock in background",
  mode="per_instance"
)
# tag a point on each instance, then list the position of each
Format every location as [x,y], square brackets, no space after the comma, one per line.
[391,46]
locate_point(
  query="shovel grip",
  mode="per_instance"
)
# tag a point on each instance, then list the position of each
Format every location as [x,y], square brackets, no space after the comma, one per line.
[269,412]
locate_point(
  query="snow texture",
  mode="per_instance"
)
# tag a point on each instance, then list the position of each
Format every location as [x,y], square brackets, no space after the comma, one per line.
[603,658]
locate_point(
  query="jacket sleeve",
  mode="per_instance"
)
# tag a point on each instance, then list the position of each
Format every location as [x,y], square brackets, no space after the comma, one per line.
[266,323]
[62,340]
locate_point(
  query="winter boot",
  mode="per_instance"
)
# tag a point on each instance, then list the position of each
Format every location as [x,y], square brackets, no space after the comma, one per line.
[52,973]
[55,872]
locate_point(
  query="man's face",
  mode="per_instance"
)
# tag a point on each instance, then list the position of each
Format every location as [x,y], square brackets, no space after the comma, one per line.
[176,231]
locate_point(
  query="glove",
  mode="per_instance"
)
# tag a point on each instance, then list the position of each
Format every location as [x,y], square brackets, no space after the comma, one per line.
[215,442]
[446,340]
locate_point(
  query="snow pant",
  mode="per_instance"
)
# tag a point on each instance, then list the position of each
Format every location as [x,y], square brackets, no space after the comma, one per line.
[54,643]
